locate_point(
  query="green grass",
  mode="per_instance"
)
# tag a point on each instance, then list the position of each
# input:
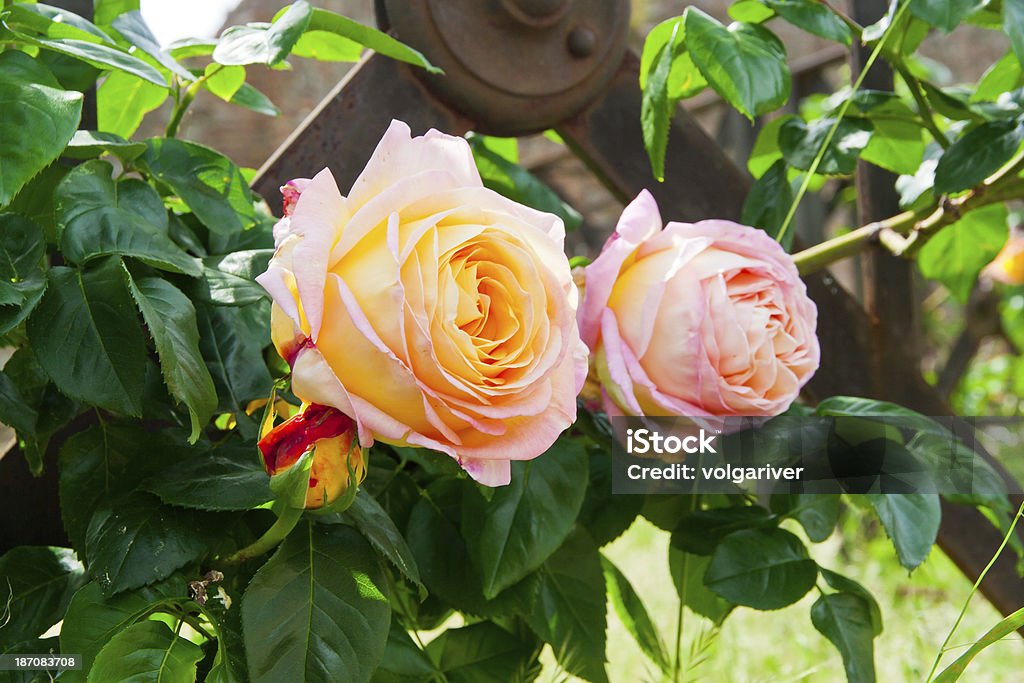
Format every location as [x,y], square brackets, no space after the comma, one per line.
[754,646]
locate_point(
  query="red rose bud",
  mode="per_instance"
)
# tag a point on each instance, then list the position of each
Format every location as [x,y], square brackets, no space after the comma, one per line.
[331,435]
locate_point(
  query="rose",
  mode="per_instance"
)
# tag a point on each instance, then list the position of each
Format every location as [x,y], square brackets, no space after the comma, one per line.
[330,434]
[433,311]
[699,319]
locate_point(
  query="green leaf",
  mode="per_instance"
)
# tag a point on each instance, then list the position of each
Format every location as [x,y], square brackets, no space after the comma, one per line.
[1013,25]
[744,63]
[569,610]
[658,106]
[228,478]
[997,633]
[818,513]
[378,41]
[171,320]
[515,182]
[854,406]
[102,57]
[133,27]
[100,355]
[100,217]
[443,559]
[147,651]
[136,540]
[89,144]
[768,202]
[687,571]
[39,119]
[92,619]
[122,101]
[684,79]
[699,532]
[36,585]
[813,17]
[229,280]
[766,148]
[264,43]
[750,11]
[15,411]
[484,653]
[943,14]
[224,81]
[801,142]
[513,533]
[404,661]
[21,267]
[911,520]
[845,619]
[977,155]
[54,22]
[373,522]
[327,47]
[847,585]
[105,11]
[761,568]
[251,98]
[1002,77]
[233,356]
[633,615]
[316,611]
[956,254]
[207,181]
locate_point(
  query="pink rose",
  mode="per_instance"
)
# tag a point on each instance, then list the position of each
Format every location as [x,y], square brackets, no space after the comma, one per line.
[431,310]
[699,319]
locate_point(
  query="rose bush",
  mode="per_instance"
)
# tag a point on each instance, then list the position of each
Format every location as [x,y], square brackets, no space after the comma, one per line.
[430,309]
[700,319]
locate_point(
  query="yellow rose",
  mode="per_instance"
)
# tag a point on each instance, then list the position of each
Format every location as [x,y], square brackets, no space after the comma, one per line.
[430,309]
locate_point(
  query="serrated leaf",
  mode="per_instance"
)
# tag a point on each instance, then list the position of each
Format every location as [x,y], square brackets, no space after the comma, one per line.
[761,568]
[171,320]
[39,119]
[136,540]
[818,513]
[943,14]
[855,406]
[373,522]
[744,63]
[847,585]
[514,532]
[977,155]
[633,615]
[378,41]
[845,619]
[911,520]
[570,608]
[234,357]
[687,571]
[658,106]
[36,585]
[320,604]
[89,144]
[228,478]
[229,280]
[122,100]
[99,217]
[264,43]
[207,181]
[21,268]
[100,355]
[147,651]
[956,254]
[801,142]
[92,620]
[403,660]
[813,17]
[699,532]
[483,653]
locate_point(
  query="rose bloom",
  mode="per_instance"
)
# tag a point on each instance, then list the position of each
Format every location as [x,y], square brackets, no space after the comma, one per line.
[702,319]
[431,310]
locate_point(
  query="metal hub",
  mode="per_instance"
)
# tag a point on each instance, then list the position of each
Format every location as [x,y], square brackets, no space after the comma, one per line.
[514,66]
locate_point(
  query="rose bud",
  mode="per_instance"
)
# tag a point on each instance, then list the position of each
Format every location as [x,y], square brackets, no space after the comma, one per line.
[697,320]
[433,311]
[330,434]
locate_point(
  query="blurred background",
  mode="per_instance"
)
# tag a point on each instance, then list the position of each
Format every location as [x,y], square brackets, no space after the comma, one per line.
[969,350]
